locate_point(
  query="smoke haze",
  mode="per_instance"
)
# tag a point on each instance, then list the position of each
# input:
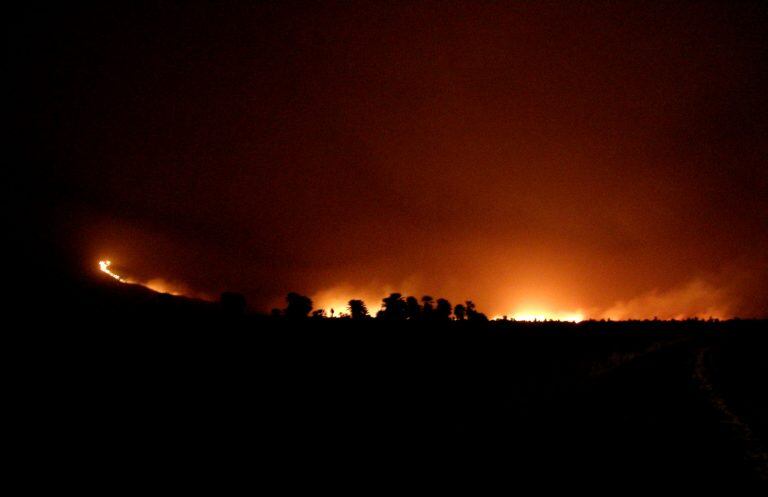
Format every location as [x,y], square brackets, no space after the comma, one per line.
[604,159]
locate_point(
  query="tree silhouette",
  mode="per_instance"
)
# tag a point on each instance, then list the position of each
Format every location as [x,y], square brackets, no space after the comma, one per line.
[394,307]
[479,316]
[298,306]
[412,308]
[318,314]
[443,309]
[460,312]
[428,302]
[470,307]
[472,314]
[357,309]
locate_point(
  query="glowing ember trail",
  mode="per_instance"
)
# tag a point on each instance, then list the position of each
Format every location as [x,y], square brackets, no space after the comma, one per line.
[104,267]
[158,285]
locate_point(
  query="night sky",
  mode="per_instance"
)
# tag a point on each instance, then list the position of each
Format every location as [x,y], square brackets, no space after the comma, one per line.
[604,159]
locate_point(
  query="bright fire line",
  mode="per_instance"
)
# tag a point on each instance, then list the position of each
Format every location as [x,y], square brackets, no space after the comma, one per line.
[104,267]
[573,317]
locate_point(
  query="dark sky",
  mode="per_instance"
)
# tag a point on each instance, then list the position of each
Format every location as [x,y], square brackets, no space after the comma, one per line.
[606,159]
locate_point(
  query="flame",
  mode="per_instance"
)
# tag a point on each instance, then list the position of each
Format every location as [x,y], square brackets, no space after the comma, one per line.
[157,284]
[542,315]
[104,267]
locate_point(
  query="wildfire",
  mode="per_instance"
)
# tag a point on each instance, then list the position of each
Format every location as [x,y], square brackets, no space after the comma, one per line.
[157,284]
[539,315]
[543,316]
[104,267]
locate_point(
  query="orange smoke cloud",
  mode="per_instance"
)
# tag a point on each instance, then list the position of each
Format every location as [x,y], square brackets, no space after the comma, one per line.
[697,298]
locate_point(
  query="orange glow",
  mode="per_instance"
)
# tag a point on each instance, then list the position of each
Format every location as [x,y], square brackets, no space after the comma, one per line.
[338,297]
[339,308]
[543,315]
[697,298]
[161,286]
[334,298]
[157,284]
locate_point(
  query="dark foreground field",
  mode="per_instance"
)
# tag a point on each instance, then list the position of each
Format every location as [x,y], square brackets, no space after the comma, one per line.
[131,386]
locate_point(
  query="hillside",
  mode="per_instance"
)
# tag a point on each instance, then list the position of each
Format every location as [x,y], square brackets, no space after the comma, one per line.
[156,377]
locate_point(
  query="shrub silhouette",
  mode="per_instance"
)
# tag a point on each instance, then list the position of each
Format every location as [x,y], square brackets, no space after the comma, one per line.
[318,314]
[298,306]
[358,309]
[472,314]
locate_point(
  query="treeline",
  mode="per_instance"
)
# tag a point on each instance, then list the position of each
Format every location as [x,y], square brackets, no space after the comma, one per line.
[394,307]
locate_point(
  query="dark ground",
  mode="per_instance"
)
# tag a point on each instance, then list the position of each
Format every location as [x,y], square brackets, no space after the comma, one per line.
[128,385]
